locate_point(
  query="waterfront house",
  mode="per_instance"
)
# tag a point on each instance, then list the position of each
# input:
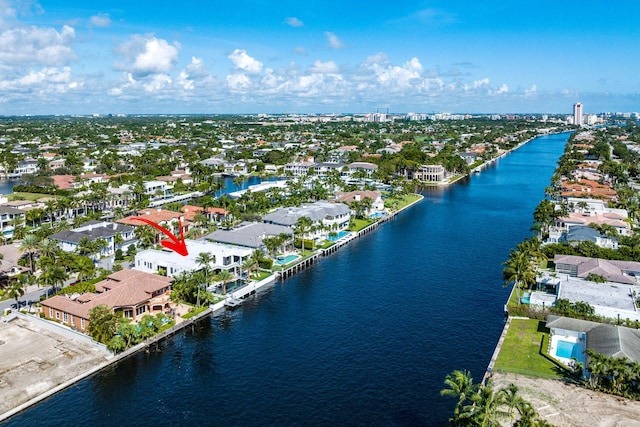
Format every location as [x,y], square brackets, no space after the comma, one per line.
[427,173]
[612,270]
[249,234]
[606,339]
[324,216]
[377,204]
[165,262]
[129,293]
[609,299]
[93,231]
[579,234]
[588,189]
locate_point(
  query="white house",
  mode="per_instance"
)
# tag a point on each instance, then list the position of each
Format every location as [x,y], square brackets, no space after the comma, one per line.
[225,257]
[325,217]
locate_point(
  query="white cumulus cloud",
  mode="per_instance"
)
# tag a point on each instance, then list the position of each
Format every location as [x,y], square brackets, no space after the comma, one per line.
[333,40]
[294,22]
[195,71]
[320,67]
[244,62]
[146,55]
[37,46]
[100,20]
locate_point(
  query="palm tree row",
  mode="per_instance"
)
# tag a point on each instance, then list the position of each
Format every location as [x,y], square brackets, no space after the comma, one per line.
[480,405]
[614,375]
[520,268]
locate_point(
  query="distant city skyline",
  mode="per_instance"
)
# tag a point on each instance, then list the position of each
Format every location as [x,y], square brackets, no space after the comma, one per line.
[251,56]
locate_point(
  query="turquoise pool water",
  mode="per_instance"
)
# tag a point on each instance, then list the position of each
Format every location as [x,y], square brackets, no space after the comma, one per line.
[286,260]
[526,298]
[340,235]
[568,349]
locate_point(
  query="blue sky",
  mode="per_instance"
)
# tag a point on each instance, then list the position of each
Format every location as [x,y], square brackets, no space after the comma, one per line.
[252,56]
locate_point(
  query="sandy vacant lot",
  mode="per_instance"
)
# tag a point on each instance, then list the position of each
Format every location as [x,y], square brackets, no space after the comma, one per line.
[34,360]
[569,405]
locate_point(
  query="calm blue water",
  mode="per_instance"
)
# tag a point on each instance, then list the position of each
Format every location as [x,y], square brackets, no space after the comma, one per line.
[6,185]
[366,337]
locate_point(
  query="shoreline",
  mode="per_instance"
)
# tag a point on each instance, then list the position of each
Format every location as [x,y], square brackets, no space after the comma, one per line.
[213,310]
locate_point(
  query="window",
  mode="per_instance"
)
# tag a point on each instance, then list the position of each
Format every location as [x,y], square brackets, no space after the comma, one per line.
[82,323]
[141,310]
[128,313]
[65,317]
[58,315]
[50,312]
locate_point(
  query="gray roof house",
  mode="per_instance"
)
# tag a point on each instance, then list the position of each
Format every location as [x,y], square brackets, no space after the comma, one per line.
[249,234]
[94,230]
[583,233]
[614,271]
[317,211]
[609,340]
[334,216]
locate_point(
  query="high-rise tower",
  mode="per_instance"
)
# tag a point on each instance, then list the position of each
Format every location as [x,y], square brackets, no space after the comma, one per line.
[577,114]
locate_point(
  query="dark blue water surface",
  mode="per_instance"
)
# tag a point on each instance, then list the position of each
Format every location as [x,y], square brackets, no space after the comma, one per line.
[6,185]
[365,337]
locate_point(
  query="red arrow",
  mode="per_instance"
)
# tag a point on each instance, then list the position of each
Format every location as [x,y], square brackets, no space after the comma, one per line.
[176,245]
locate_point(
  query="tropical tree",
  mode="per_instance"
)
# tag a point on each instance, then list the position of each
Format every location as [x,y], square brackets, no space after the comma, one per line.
[53,276]
[224,276]
[518,270]
[85,267]
[15,290]
[303,225]
[484,409]
[460,385]
[204,259]
[103,324]
[29,246]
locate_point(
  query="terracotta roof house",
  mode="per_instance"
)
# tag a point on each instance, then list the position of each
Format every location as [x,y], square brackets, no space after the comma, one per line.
[614,271]
[159,216]
[588,188]
[64,182]
[129,292]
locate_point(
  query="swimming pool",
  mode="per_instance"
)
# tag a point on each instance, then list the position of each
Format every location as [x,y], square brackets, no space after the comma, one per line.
[526,298]
[568,349]
[286,260]
[340,235]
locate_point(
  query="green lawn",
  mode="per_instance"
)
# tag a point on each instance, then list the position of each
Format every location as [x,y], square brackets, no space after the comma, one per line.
[28,196]
[260,275]
[399,202]
[520,352]
[359,224]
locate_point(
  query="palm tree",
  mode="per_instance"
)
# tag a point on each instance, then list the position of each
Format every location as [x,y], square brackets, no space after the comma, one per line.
[15,291]
[303,225]
[103,324]
[460,385]
[53,276]
[85,267]
[49,248]
[518,270]
[249,264]
[225,277]
[484,410]
[204,259]
[29,245]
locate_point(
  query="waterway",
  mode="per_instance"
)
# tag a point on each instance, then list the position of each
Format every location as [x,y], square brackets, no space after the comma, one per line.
[365,337]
